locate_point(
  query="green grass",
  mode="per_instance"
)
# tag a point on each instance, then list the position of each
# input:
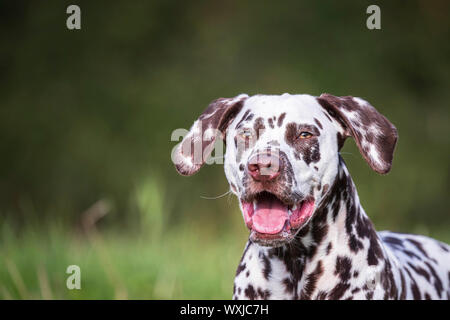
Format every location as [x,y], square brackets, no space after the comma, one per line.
[180,264]
[195,259]
[188,263]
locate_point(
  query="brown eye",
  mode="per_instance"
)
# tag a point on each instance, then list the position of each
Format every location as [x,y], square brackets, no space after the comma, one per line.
[305,135]
[246,134]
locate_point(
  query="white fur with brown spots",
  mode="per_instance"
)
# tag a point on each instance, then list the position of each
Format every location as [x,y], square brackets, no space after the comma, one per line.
[309,236]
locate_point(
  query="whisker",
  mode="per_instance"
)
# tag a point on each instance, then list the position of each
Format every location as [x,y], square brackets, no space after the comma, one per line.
[213,198]
[229,198]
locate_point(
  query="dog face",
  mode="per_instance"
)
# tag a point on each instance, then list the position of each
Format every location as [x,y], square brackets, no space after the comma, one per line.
[282,153]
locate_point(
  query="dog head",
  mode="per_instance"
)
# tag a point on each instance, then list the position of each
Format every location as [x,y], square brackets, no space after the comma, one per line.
[282,153]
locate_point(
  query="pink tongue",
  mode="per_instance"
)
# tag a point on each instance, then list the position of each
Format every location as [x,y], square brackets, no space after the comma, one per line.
[270,216]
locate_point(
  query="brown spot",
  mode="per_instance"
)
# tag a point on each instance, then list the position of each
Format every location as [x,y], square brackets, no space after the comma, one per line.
[281,119]
[338,291]
[318,123]
[343,268]
[319,230]
[414,288]
[375,251]
[437,281]
[259,127]
[326,115]
[250,292]
[240,268]
[311,282]
[239,124]
[340,140]
[420,271]
[267,269]
[270,120]
[419,247]
[264,294]
[411,254]
[396,242]
[403,293]
[329,247]
[289,285]
[356,290]
[369,295]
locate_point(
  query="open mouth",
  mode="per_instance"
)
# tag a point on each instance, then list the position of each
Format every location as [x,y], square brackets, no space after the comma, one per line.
[272,220]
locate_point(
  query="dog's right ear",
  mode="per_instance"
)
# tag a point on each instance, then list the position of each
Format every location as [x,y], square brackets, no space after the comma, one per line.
[190,155]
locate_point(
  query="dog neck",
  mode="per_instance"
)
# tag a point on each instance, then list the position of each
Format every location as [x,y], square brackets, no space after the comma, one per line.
[317,263]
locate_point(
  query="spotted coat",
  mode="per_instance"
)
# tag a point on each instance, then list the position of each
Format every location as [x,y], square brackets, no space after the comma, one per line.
[336,252]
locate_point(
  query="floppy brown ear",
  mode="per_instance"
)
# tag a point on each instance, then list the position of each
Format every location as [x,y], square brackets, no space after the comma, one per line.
[190,155]
[375,136]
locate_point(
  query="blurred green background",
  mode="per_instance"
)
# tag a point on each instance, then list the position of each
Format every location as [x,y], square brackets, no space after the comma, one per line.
[86,118]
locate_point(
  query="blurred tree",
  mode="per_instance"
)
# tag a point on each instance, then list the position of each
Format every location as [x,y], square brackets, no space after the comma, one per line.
[87,114]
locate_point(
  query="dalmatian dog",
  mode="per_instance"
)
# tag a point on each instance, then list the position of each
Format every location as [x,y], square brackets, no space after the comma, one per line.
[309,235]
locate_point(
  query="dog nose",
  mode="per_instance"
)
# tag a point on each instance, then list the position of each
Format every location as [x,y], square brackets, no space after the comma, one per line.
[264,166]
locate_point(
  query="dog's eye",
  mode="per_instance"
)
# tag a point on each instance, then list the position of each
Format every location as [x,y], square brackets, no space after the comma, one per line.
[246,134]
[305,135]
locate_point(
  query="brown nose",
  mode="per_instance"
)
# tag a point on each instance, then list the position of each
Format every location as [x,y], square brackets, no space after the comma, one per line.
[264,166]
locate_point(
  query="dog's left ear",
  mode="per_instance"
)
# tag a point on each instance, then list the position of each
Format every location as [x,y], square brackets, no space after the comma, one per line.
[190,155]
[375,136]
